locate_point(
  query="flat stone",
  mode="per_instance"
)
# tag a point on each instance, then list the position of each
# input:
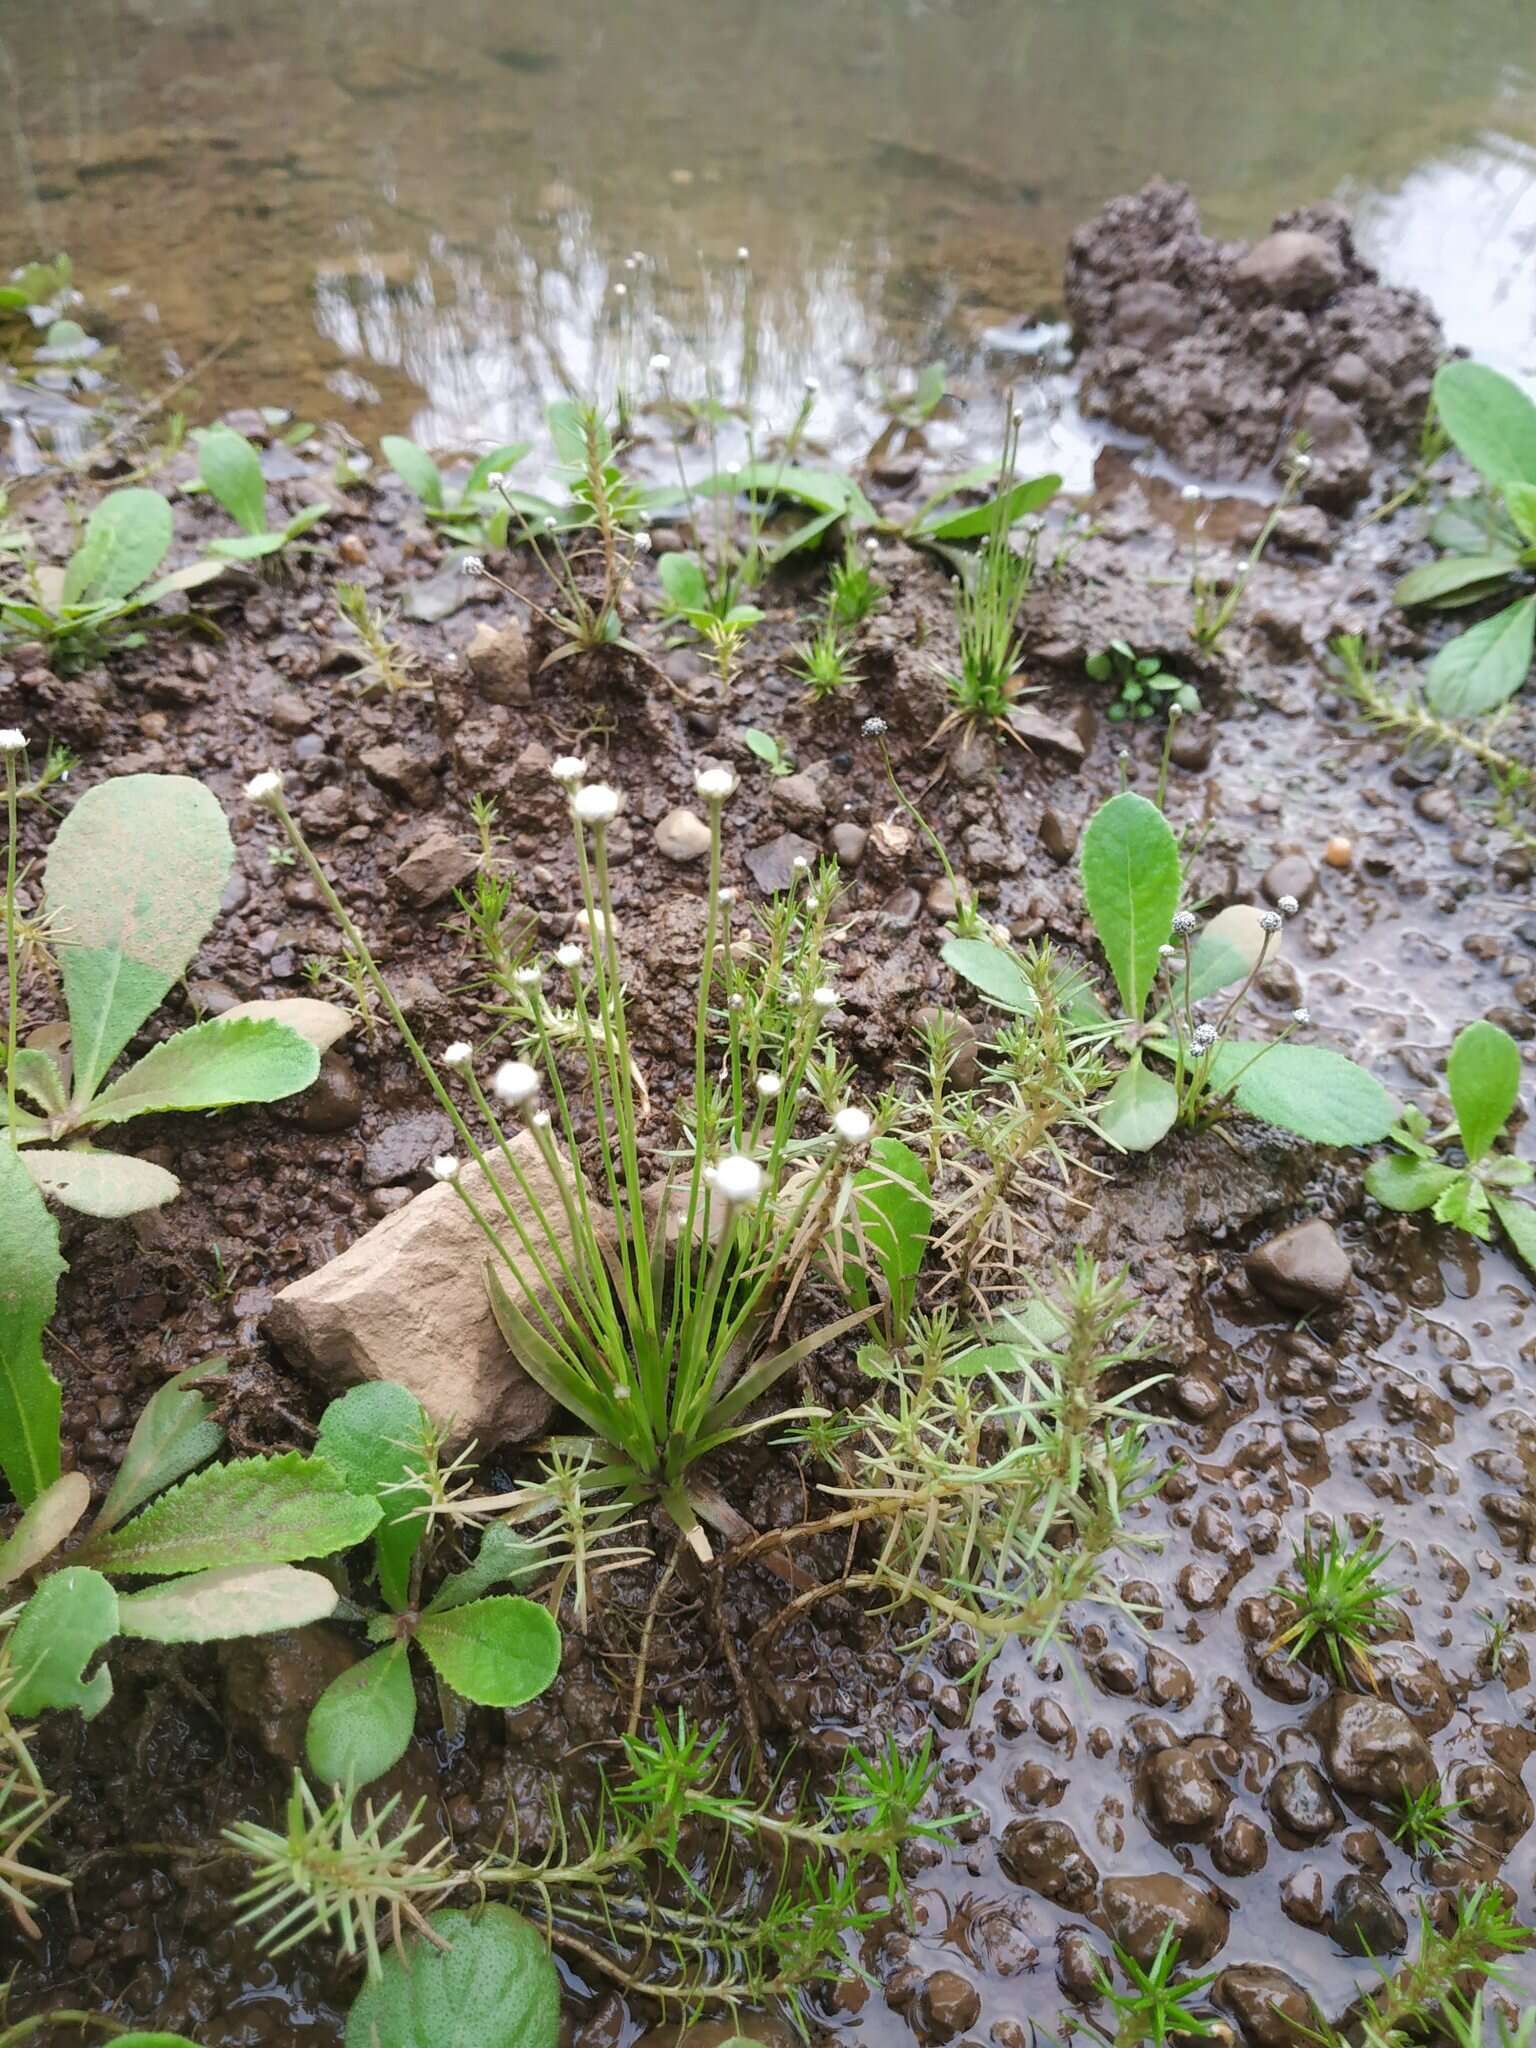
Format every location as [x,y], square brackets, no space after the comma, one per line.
[334,1100]
[1365,1921]
[800,797]
[401,772]
[497,658]
[289,713]
[1300,1801]
[682,836]
[1270,2009]
[1292,875]
[1036,730]
[848,842]
[407,1302]
[1058,835]
[772,866]
[1291,266]
[1304,1268]
[1372,1750]
[434,869]
[404,1148]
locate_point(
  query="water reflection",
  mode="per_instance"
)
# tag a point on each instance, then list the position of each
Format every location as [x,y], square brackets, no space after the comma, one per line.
[430,218]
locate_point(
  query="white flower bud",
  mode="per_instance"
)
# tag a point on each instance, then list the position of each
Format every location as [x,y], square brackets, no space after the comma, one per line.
[851,1125]
[445,1167]
[812,386]
[1185,924]
[768,1086]
[515,1083]
[568,768]
[1287,906]
[265,789]
[738,1180]
[824,998]
[714,785]
[727,895]
[568,956]
[471,566]
[459,1054]
[528,977]
[742,253]
[1271,922]
[660,365]
[596,804]
[642,543]
[13,742]
[1301,1016]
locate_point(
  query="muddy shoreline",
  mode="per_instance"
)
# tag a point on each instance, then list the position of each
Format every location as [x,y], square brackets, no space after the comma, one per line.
[1180,1763]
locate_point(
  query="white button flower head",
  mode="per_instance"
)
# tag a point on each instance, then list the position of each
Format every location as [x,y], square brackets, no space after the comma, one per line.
[471,566]
[568,769]
[621,291]
[738,1180]
[824,998]
[642,543]
[1185,924]
[596,804]
[727,895]
[851,1125]
[874,728]
[1287,906]
[660,364]
[12,741]
[568,956]
[743,253]
[496,478]
[529,977]
[1301,1016]
[1271,922]
[516,1083]
[1191,494]
[445,1167]
[768,1086]
[539,1121]
[1204,1037]
[714,785]
[1169,953]
[459,1054]
[812,386]
[265,789]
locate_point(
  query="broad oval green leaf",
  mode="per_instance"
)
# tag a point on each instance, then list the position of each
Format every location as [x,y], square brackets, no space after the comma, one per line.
[251,1511]
[236,1600]
[320,1022]
[1131,880]
[100,1183]
[502,1559]
[231,469]
[125,541]
[44,1526]
[69,1618]
[212,1065]
[1228,950]
[246,547]
[1307,1089]
[501,459]
[415,469]
[175,1433]
[683,580]
[499,1652]
[1139,1109]
[1004,511]
[1481,667]
[993,970]
[1519,1221]
[1520,504]
[134,876]
[30,1266]
[361,1725]
[895,1205]
[1465,575]
[373,1435]
[493,1986]
[1405,1184]
[1490,419]
[1483,1075]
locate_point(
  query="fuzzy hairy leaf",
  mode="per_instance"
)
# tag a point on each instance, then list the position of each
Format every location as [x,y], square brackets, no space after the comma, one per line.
[211,1066]
[44,1526]
[134,876]
[373,1435]
[361,1724]
[499,1652]
[38,1075]
[1490,419]
[503,1558]
[493,1986]
[1481,667]
[100,1183]
[237,1600]
[1131,877]
[125,541]
[1519,1221]
[415,469]
[993,970]
[67,1620]
[30,1266]
[320,1022]
[251,1511]
[175,1433]
[231,469]
[1483,1075]
[1307,1089]
[1405,1184]
[1139,1109]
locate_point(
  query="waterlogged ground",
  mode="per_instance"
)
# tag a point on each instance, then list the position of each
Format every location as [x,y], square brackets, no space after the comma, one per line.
[1177,1750]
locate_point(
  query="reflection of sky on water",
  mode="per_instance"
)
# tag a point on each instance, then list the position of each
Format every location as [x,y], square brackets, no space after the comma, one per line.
[1462,229]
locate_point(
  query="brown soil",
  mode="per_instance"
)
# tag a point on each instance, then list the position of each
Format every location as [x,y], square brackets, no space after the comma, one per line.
[1177,1754]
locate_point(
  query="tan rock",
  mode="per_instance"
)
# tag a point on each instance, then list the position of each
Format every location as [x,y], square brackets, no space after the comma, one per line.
[407,1302]
[498,660]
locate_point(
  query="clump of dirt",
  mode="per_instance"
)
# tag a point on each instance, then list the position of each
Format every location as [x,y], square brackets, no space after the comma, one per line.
[1220,352]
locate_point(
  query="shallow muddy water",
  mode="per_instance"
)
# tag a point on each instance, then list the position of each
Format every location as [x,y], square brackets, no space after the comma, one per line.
[393,214]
